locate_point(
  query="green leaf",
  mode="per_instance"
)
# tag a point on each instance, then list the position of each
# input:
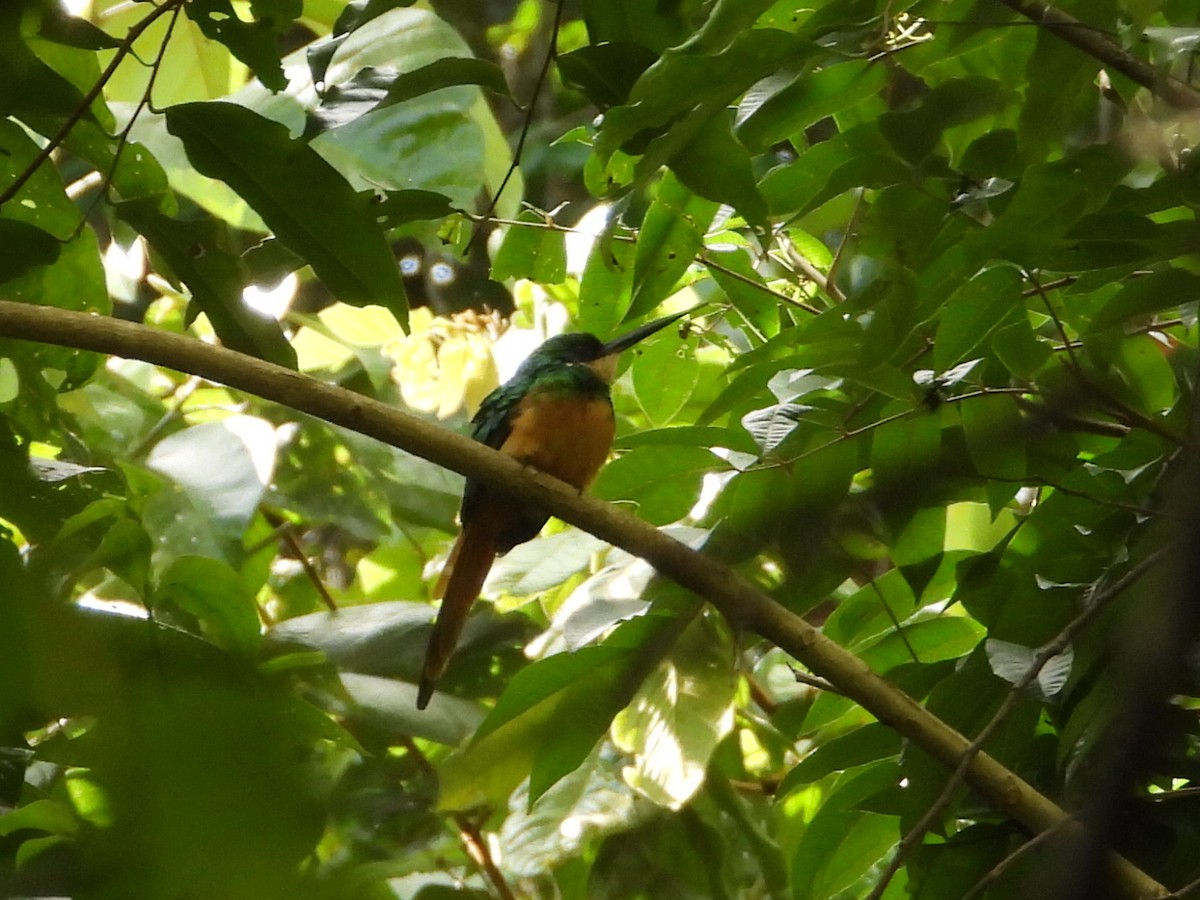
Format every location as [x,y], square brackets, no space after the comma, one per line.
[606,289]
[25,247]
[870,743]
[905,452]
[663,482]
[665,373]
[671,235]
[551,715]
[607,72]
[212,592]
[309,206]
[930,640]
[230,492]
[386,638]
[443,73]
[973,312]
[41,815]
[251,42]
[389,708]
[1152,293]
[841,842]
[716,165]
[684,79]
[994,430]
[41,202]
[779,111]
[690,435]
[535,252]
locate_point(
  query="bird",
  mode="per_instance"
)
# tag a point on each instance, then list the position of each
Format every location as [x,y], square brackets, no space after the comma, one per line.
[555,415]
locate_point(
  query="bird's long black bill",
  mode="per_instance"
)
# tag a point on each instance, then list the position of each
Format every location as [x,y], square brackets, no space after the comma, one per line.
[625,341]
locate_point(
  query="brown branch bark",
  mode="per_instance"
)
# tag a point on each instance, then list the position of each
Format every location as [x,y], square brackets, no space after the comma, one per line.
[1093,43]
[742,603]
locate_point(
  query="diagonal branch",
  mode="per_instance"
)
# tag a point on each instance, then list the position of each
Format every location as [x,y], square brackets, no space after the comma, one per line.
[744,604]
[1094,43]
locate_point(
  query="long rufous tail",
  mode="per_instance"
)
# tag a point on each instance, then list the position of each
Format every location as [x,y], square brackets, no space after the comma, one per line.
[459,586]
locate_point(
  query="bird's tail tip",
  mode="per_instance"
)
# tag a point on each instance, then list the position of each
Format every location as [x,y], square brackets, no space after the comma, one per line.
[424,692]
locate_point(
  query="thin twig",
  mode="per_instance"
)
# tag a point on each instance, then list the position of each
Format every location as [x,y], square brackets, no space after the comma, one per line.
[1131,417]
[814,682]
[527,124]
[844,243]
[1095,600]
[80,111]
[1087,39]
[1003,866]
[705,260]
[811,272]
[288,535]
[468,832]
[548,224]
[123,137]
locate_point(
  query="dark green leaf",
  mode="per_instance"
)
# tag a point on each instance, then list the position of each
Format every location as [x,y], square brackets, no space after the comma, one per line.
[201,255]
[807,98]
[605,73]
[254,43]
[25,247]
[444,73]
[1157,291]
[972,312]
[302,198]
[212,592]
[716,165]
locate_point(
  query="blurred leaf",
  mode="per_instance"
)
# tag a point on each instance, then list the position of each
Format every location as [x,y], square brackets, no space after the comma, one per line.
[527,734]
[389,708]
[230,492]
[605,291]
[679,716]
[842,842]
[972,312]
[870,743]
[606,72]
[1154,292]
[780,110]
[212,592]
[444,73]
[716,165]
[27,247]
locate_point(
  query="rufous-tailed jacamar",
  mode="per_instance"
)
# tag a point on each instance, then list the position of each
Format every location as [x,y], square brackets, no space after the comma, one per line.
[555,414]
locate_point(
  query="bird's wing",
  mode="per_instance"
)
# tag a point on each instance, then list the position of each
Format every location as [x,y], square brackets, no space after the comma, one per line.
[493,424]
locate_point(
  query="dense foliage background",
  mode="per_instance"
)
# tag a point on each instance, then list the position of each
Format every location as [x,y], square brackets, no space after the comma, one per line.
[938,399]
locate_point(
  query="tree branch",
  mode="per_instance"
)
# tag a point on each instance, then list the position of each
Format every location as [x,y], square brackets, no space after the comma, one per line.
[744,604]
[1093,43]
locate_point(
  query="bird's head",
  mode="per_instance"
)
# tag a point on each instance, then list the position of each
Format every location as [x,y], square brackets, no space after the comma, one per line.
[580,348]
